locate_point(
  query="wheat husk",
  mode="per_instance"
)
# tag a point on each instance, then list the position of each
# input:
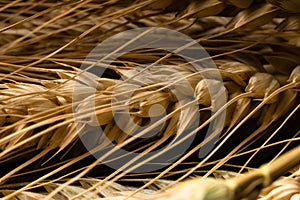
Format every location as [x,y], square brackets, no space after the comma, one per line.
[255,45]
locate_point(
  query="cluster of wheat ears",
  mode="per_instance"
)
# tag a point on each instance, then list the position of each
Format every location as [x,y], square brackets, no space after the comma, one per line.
[45,100]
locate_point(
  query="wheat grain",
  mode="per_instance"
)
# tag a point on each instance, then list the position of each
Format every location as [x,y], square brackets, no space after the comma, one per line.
[254,44]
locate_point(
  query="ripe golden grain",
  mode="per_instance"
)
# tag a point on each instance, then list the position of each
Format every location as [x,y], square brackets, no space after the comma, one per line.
[254,44]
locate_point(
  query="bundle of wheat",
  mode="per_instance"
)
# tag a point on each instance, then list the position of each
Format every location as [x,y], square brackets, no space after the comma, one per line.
[52,101]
